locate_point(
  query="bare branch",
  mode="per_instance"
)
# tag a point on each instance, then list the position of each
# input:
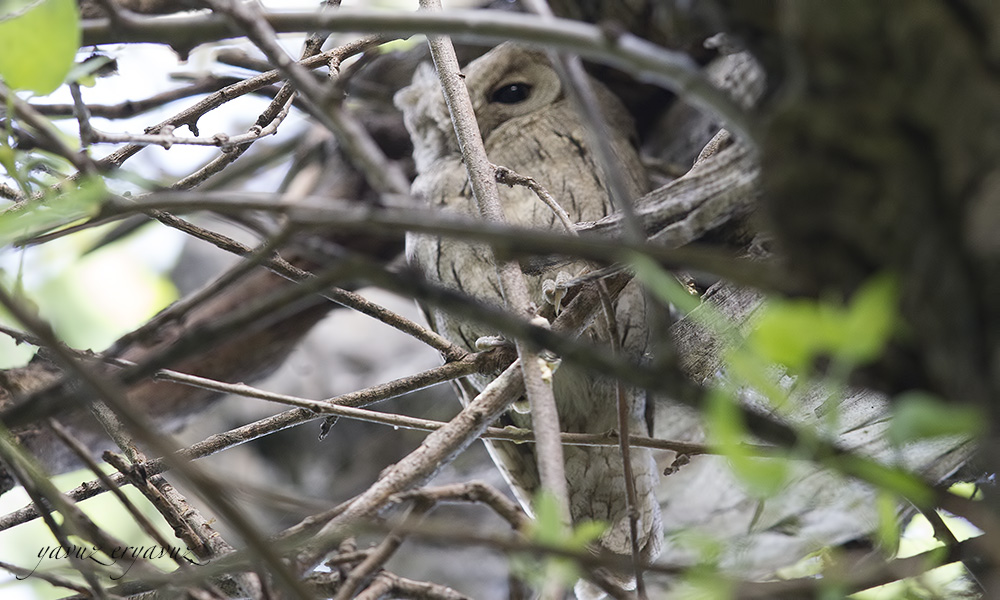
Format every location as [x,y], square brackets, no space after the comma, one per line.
[380,554]
[84,454]
[112,394]
[473,491]
[131,108]
[437,449]
[46,130]
[53,579]
[382,174]
[643,60]
[222,441]
[190,116]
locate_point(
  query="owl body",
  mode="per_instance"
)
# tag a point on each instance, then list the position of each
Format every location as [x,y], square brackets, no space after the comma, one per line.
[529,126]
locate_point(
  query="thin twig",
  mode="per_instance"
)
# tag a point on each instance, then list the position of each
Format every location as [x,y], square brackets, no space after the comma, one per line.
[642,59]
[418,590]
[347,406]
[46,130]
[372,395]
[84,455]
[665,217]
[343,297]
[185,521]
[623,412]
[9,193]
[581,94]
[268,121]
[82,116]
[344,406]
[508,177]
[266,156]
[240,435]
[41,491]
[859,577]
[130,108]
[472,491]
[74,518]
[380,554]
[190,116]
[381,173]
[221,140]
[436,449]
[513,543]
[55,580]
[283,268]
[210,489]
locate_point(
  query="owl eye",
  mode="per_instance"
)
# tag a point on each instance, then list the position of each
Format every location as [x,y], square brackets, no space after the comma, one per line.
[511,93]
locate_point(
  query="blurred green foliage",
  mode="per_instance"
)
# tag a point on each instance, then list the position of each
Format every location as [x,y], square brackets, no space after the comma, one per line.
[796,332]
[547,529]
[38,40]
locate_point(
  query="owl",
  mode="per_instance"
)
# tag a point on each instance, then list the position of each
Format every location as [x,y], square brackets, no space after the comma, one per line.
[529,125]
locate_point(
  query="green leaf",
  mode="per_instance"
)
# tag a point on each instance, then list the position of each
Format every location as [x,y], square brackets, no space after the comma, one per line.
[85,72]
[547,527]
[871,319]
[789,333]
[763,477]
[663,285]
[917,416]
[887,508]
[890,479]
[586,533]
[702,582]
[7,160]
[38,41]
[796,332]
[64,208]
[750,369]
[725,426]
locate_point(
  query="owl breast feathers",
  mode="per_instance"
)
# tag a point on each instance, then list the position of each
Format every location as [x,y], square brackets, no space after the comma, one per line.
[529,125]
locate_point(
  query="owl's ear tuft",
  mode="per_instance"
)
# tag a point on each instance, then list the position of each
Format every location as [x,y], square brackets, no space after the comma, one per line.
[424,81]
[425,76]
[426,117]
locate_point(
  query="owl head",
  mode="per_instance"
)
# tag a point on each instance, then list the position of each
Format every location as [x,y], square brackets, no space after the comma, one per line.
[509,87]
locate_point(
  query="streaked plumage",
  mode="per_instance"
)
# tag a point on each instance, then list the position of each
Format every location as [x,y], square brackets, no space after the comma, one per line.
[529,126]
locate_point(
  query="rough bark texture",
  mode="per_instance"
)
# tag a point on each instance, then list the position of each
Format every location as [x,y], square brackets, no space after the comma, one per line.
[880,155]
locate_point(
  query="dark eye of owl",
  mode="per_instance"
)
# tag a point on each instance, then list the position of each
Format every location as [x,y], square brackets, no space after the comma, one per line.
[511,93]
